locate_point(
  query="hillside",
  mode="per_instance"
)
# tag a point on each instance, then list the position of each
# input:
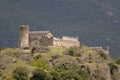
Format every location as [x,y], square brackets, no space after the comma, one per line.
[76,63]
[95,22]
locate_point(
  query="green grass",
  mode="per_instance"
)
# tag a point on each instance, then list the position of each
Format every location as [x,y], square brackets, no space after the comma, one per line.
[53,51]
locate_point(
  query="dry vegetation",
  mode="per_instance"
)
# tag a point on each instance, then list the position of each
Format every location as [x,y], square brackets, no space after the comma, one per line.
[84,62]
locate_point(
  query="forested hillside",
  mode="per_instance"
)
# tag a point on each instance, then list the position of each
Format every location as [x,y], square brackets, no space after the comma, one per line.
[95,22]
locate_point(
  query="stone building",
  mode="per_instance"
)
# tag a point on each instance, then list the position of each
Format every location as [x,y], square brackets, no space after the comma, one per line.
[29,39]
[66,41]
[23,36]
[40,38]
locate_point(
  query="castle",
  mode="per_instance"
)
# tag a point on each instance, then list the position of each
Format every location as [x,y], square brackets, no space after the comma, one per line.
[34,39]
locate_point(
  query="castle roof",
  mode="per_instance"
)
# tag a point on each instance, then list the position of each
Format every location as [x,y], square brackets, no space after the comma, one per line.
[39,32]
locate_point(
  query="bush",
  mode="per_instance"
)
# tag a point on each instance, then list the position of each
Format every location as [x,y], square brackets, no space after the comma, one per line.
[20,73]
[67,72]
[1,73]
[103,55]
[55,75]
[113,67]
[70,75]
[41,64]
[3,77]
[77,74]
[117,61]
[40,74]
[73,51]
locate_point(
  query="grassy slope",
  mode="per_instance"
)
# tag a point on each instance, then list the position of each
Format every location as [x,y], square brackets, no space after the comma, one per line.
[43,61]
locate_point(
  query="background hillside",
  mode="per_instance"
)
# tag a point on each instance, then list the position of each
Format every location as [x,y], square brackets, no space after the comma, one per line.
[95,22]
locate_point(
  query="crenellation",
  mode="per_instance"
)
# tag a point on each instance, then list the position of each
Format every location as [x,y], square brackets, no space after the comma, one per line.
[39,32]
[105,50]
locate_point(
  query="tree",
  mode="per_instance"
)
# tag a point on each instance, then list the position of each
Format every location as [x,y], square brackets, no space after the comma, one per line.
[113,68]
[20,73]
[40,74]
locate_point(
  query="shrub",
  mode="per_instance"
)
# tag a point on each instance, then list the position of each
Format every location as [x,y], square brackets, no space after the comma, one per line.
[117,61]
[40,63]
[78,54]
[40,74]
[103,55]
[0,73]
[77,74]
[20,73]
[73,51]
[55,75]
[113,67]
[3,77]
[67,72]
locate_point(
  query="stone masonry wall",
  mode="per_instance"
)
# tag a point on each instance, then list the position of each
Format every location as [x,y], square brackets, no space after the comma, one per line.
[37,40]
[23,36]
[65,42]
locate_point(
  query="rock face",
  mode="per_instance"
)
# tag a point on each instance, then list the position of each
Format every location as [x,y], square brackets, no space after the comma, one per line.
[97,71]
[101,72]
[94,62]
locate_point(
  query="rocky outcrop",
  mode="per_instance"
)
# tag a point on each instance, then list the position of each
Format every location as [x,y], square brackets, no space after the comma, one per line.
[94,62]
[97,72]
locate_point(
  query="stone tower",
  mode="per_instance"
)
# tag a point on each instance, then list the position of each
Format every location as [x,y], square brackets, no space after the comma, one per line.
[24,36]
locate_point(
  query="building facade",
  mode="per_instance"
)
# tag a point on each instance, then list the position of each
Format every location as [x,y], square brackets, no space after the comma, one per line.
[66,41]
[29,39]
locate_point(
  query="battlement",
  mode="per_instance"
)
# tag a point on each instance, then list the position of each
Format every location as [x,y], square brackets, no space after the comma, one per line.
[106,49]
[24,27]
[96,47]
[39,32]
[70,38]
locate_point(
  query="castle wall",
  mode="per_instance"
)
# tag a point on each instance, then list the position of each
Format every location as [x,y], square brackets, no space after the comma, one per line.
[66,42]
[23,36]
[36,40]
[57,42]
[69,43]
[28,40]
